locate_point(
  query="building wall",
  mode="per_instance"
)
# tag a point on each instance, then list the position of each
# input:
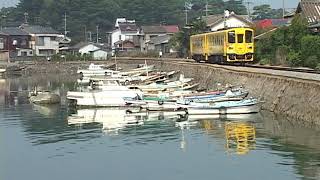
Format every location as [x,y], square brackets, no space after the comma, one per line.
[100,55]
[231,22]
[4,56]
[117,35]
[45,44]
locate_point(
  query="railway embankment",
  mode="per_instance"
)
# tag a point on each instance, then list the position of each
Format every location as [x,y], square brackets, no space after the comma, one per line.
[293,94]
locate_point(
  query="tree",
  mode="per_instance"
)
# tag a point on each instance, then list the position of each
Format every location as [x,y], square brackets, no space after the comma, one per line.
[265,12]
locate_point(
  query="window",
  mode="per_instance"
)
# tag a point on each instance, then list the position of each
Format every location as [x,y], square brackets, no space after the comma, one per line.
[249,35]
[231,37]
[40,41]
[1,43]
[240,38]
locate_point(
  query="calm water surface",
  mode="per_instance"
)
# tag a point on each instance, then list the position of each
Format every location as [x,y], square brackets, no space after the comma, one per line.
[39,142]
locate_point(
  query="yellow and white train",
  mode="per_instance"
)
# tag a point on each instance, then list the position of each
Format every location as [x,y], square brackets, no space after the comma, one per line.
[228,45]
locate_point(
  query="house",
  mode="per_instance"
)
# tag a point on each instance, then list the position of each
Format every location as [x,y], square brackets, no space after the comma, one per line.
[18,42]
[98,51]
[125,37]
[149,32]
[228,20]
[310,10]
[4,52]
[160,43]
[271,23]
[44,40]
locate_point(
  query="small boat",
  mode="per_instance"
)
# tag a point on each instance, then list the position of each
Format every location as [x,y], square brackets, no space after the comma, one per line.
[227,107]
[95,70]
[223,96]
[113,95]
[44,98]
[2,71]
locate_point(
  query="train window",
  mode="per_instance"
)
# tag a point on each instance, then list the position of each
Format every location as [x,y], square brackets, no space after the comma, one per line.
[240,38]
[249,36]
[231,37]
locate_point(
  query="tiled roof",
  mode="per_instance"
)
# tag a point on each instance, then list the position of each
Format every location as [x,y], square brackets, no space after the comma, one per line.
[172,28]
[160,29]
[310,10]
[153,29]
[160,39]
[14,31]
[128,27]
[38,29]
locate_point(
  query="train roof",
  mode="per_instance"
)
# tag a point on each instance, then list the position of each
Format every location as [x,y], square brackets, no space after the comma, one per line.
[221,30]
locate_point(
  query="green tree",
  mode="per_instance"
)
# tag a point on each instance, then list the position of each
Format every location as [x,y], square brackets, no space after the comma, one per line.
[265,11]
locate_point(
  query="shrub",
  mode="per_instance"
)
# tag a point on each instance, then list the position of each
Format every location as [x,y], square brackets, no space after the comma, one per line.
[294,58]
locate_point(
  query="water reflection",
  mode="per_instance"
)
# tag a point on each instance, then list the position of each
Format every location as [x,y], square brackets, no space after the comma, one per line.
[112,120]
[240,137]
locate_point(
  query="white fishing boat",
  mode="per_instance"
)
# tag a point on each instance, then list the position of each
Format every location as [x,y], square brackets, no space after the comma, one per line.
[112,95]
[95,70]
[2,71]
[220,108]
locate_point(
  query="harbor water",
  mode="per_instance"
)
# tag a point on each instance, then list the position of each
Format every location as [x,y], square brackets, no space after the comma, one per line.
[57,142]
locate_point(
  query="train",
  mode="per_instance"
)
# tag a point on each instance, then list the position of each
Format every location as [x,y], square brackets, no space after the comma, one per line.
[233,45]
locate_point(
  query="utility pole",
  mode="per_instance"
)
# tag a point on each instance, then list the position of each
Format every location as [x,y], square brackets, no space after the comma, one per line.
[65,25]
[283,9]
[25,17]
[97,34]
[248,7]
[90,36]
[207,8]
[85,34]
[186,11]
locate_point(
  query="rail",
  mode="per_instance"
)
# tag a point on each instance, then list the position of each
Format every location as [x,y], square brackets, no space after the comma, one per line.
[282,68]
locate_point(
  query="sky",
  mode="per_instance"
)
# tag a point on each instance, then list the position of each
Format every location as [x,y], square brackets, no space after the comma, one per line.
[274,3]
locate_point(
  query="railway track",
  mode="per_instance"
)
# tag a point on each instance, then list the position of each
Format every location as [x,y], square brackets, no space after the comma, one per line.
[281,68]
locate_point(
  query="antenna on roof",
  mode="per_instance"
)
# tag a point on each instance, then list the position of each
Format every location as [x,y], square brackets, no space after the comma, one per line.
[65,25]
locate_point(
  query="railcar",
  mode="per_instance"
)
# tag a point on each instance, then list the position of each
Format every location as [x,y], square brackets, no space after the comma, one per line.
[228,45]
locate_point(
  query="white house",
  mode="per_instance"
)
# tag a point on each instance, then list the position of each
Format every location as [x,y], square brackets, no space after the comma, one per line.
[98,51]
[216,22]
[125,30]
[44,40]
[99,54]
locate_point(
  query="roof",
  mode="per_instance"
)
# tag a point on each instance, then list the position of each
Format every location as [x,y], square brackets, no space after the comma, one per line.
[128,27]
[38,29]
[310,9]
[170,29]
[271,23]
[84,44]
[213,20]
[153,29]
[14,31]
[160,39]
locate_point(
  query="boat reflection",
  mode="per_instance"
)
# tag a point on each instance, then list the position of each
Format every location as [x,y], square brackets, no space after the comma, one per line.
[240,137]
[112,120]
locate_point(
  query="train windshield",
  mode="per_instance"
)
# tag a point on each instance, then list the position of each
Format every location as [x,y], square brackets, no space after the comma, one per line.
[231,37]
[240,38]
[249,35]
